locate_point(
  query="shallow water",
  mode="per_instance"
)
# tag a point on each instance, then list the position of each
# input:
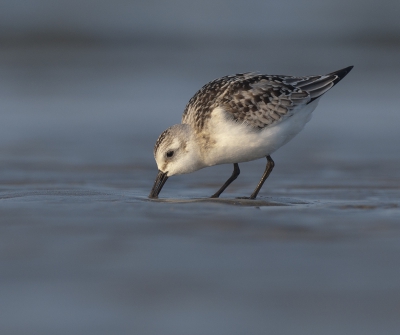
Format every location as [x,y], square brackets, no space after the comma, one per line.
[83,250]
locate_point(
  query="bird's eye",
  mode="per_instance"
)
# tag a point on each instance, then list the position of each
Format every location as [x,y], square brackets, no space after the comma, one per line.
[170,153]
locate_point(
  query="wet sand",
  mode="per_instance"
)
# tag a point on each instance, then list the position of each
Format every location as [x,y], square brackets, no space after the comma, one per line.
[83,250]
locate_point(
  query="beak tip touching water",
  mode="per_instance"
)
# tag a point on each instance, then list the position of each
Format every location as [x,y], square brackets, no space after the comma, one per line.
[158,184]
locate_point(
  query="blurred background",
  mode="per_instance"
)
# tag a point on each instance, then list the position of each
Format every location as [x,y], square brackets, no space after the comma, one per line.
[77,77]
[87,86]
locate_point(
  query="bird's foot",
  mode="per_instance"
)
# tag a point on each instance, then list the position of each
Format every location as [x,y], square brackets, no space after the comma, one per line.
[247,198]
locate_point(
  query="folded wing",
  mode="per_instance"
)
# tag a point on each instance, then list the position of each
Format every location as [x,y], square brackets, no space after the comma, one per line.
[263,100]
[257,100]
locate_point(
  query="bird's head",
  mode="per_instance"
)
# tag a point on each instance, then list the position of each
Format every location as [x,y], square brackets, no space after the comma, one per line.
[175,152]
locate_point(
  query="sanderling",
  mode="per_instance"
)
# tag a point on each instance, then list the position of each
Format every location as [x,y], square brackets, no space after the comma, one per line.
[239,118]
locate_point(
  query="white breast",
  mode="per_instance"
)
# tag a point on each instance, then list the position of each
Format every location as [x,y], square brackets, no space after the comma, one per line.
[236,142]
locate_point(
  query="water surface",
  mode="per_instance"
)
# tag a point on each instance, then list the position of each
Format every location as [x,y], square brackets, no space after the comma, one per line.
[83,250]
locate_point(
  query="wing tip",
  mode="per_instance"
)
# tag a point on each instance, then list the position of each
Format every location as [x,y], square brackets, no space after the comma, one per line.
[340,74]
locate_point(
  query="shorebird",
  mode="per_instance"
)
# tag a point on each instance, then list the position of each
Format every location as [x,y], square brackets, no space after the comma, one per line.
[239,118]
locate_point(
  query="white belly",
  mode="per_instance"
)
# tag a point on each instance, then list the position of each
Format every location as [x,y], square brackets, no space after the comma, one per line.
[235,142]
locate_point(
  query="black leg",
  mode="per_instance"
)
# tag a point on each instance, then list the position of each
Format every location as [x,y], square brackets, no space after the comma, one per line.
[235,173]
[267,172]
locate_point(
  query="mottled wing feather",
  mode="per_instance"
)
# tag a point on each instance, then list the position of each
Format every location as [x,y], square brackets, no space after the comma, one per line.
[199,108]
[257,100]
[262,100]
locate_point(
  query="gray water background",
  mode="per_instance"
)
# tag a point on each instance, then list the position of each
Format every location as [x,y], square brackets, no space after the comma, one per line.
[86,88]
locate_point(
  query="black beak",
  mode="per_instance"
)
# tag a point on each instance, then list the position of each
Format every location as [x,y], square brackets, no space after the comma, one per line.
[158,184]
